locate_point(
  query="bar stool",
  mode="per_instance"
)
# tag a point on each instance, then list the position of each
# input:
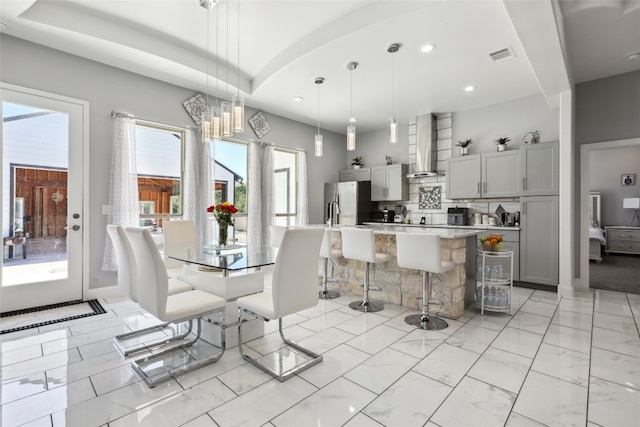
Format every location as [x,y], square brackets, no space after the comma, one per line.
[360,244]
[411,248]
[326,252]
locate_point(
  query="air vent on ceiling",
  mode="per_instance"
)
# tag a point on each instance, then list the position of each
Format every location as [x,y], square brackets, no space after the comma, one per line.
[502,54]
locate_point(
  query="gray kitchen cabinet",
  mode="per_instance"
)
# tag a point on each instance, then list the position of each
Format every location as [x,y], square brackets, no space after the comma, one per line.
[389,183]
[540,171]
[511,239]
[489,175]
[539,240]
[362,174]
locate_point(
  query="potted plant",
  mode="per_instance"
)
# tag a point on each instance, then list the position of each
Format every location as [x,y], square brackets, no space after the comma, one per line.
[464,146]
[501,143]
[388,159]
[357,162]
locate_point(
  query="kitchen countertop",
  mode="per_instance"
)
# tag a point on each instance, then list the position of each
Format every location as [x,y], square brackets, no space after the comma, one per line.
[443,232]
[473,227]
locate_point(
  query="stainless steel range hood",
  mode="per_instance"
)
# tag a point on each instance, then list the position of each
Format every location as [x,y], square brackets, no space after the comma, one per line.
[426,147]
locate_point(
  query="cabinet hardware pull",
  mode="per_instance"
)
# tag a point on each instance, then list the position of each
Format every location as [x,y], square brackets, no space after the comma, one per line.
[479,191]
[485,187]
[524,186]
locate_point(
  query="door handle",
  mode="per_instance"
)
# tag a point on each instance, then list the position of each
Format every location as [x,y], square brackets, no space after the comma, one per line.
[74,228]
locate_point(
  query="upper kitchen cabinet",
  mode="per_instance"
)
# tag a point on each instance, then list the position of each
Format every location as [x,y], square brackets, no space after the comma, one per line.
[489,175]
[539,165]
[389,183]
[362,174]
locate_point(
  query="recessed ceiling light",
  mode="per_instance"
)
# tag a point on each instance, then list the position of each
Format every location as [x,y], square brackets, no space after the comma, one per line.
[427,48]
[633,56]
[469,88]
[298,98]
[353,120]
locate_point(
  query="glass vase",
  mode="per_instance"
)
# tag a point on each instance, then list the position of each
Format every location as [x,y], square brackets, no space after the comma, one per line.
[223,231]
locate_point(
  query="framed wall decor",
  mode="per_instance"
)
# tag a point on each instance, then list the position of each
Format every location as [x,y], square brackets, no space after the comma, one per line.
[259,124]
[628,179]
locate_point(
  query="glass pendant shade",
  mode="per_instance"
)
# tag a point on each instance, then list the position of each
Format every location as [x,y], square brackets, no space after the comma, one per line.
[215,123]
[351,138]
[206,126]
[393,130]
[238,114]
[226,114]
[318,151]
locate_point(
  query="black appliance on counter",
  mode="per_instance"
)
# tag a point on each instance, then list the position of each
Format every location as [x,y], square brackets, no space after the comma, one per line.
[385,216]
[458,216]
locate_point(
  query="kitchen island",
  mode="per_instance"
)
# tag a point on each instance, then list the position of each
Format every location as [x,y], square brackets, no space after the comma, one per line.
[451,292]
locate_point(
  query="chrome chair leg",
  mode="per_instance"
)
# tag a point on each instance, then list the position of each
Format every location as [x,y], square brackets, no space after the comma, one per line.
[325,293]
[282,373]
[118,340]
[366,305]
[152,379]
[424,320]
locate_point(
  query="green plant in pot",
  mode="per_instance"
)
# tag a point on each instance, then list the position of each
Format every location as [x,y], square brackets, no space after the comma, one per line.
[388,159]
[501,143]
[357,162]
[464,146]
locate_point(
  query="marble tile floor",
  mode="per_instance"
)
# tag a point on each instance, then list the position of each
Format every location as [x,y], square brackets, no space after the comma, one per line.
[558,361]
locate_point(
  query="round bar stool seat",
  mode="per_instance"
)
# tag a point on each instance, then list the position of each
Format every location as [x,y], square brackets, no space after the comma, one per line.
[421,251]
[326,252]
[360,244]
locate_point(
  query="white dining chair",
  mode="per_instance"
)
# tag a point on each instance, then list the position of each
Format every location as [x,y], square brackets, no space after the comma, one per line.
[327,251]
[294,289]
[153,297]
[360,244]
[128,282]
[179,237]
[277,231]
[421,251]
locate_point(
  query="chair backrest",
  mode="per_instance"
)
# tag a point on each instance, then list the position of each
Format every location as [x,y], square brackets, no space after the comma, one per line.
[126,261]
[358,243]
[277,231]
[152,282]
[325,246]
[419,251]
[178,236]
[295,275]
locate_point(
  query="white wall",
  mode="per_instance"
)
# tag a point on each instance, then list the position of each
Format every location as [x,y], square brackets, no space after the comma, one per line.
[107,89]
[605,169]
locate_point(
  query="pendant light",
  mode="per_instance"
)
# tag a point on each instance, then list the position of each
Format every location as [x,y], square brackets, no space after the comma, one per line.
[351,129]
[393,124]
[238,101]
[216,113]
[318,146]
[225,106]
[205,117]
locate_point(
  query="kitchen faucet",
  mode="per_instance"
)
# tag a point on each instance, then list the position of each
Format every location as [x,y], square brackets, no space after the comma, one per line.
[333,212]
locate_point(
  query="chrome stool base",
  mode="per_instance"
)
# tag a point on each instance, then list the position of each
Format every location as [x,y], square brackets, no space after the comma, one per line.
[367,306]
[431,323]
[328,294]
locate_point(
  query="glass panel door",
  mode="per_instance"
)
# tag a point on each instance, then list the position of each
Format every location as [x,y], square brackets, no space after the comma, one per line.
[42,216]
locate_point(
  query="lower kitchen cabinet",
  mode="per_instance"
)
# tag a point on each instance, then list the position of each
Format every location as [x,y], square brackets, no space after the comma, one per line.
[539,223]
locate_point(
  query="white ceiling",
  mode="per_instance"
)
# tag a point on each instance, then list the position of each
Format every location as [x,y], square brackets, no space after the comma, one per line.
[284,45]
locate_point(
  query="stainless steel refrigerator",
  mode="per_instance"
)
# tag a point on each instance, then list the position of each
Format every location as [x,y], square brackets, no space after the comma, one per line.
[347,203]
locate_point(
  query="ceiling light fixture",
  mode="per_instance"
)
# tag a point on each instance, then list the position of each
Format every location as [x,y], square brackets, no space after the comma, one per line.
[298,98]
[633,56]
[469,88]
[318,146]
[226,109]
[238,101]
[393,123]
[205,124]
[216,111]
[351,129]
[429,47]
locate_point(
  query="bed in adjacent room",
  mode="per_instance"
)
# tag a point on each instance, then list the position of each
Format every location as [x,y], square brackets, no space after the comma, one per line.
[596,233]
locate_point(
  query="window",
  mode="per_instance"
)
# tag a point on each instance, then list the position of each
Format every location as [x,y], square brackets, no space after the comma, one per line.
[285,164]
[160,165]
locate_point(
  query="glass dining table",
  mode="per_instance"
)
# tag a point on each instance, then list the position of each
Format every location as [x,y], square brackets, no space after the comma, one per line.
[228,259]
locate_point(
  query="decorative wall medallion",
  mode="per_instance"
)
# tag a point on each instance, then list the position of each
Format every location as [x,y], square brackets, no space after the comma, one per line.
[430,197]
[195,106]
[259,124]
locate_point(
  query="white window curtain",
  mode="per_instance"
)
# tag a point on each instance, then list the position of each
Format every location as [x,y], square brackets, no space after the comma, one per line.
[198,185]
[260,194]
[123,190]
[302,209]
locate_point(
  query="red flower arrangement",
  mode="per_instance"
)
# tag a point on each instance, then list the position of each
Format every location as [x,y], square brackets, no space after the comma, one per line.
[223,213]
